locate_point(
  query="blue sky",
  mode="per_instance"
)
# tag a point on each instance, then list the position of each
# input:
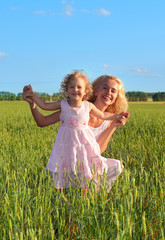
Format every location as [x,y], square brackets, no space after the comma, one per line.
[41,41]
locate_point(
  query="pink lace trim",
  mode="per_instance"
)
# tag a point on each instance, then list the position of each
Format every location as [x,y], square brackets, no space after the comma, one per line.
[73,123]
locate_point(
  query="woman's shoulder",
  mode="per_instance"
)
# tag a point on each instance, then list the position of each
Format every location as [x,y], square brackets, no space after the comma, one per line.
[98,130]
[100,126]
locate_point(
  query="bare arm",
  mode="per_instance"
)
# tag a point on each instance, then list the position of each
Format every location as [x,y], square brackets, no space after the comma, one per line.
[45,105]
[105,137]
[107,134]
[29,95]
[41,120]
[105,115]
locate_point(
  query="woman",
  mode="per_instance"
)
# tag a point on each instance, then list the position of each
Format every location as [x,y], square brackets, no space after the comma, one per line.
[108,95]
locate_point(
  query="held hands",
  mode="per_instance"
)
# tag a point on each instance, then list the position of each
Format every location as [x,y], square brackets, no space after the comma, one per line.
[124,114]
[28,93]
[27,88]
[121,119]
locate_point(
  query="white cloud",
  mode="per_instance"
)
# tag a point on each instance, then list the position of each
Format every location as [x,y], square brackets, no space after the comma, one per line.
[53,13]
[44,13]
[40,12]
[140,71]
[106,66]
[14,8]
[3,54]
[84,11]
[68,10]
[144,72]
[103,12]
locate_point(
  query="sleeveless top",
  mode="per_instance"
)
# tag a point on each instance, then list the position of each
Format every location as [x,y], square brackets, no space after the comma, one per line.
[99,130]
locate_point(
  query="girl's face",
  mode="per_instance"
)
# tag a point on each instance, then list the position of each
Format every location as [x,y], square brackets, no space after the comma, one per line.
[107,92]
[76,89]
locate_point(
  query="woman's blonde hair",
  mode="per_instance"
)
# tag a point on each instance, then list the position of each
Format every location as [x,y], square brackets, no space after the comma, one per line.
[74,75]
[121,104]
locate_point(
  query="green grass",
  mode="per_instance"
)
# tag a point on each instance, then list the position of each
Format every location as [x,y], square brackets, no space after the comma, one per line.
[31,208]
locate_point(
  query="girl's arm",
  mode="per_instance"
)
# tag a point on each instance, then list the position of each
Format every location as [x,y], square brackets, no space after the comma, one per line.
[30,95]
[105,115]
[39,118]
[44,105]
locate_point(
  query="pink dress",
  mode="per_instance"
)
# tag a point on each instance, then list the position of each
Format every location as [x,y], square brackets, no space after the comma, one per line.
[75,157]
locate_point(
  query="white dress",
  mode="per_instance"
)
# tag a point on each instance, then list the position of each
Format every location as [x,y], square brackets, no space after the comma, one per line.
[75,157]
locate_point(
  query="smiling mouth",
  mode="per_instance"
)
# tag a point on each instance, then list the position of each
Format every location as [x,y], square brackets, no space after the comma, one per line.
[107,98]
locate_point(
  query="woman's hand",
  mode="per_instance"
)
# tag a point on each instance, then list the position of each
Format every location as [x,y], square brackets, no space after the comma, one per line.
[27,96]
[40,119]
[27,93]
[28,88]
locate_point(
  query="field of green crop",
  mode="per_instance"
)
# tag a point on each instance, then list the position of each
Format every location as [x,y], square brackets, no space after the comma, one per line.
[31,208]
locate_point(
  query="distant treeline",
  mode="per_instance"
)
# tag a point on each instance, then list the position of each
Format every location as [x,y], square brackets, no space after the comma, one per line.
[8,96]
[142,96]
[131,96]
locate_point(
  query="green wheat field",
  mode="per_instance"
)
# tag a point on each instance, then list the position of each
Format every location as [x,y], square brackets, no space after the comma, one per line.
[31,208]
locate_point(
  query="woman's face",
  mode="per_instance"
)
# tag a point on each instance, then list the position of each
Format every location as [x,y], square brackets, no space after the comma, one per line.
[107,92]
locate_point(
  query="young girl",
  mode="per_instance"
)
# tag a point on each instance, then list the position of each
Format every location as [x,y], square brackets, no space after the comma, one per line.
[75,157]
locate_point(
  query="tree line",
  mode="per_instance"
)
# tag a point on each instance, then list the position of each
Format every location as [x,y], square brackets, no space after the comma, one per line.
[133,96]
[143,97]
[8,96]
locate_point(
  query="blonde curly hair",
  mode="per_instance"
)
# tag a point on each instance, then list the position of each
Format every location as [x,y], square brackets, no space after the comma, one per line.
[75,75]
[121,104]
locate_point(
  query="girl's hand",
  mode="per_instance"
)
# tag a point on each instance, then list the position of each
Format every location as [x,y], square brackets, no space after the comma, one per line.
[125,114]
[27,93]
[121,121]
[27,96]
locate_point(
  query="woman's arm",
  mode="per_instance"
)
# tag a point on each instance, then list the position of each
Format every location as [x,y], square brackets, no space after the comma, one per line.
[28,95]
[108,132]
[41,120]
[105,137]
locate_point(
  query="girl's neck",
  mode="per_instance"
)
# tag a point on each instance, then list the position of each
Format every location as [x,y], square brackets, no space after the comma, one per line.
[74,104]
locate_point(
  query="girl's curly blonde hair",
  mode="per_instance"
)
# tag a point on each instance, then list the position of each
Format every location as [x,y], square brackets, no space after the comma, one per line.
[121,104]
[75,75]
